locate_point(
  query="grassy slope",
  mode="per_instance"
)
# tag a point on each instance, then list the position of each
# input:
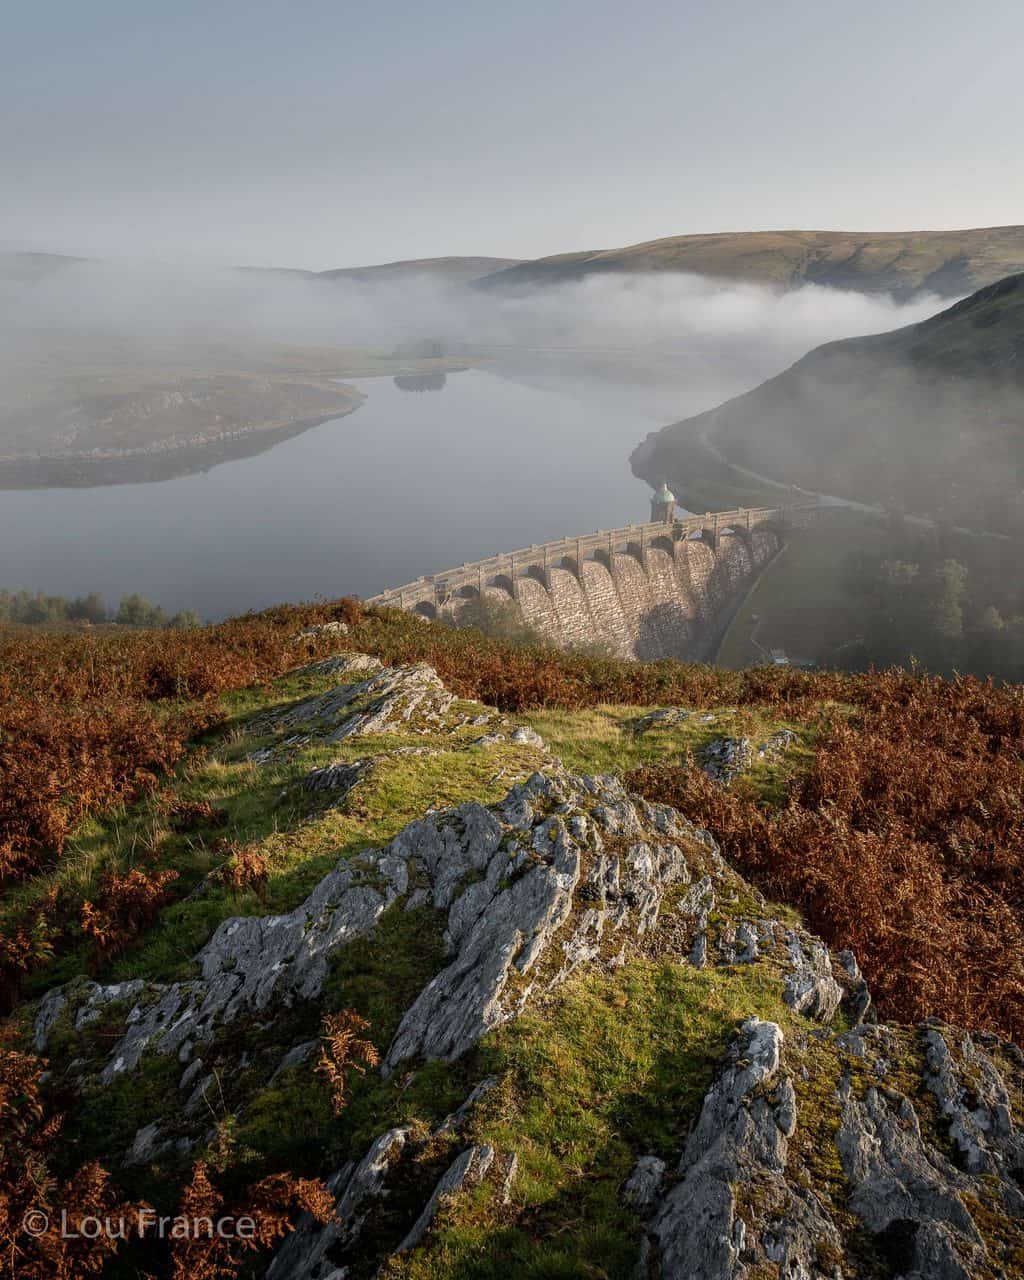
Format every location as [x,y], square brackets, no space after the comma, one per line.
[799,604]
[301,840]
[609,739]
[946,262]
[611,1066]
[929,418]
[614,1065]
[264,811]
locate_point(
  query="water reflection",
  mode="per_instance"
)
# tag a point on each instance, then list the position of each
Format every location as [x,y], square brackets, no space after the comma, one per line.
[407,484]
[420,381]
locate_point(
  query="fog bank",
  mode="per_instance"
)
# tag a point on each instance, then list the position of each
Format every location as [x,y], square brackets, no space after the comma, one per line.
[153,308]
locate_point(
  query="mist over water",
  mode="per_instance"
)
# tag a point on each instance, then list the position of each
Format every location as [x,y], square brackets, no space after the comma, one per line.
[532,446]
[156,303]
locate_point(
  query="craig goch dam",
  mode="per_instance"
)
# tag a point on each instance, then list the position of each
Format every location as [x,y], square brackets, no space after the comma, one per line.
[665,589]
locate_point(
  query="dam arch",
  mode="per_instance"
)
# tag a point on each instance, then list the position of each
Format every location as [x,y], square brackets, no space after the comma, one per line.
[663,589]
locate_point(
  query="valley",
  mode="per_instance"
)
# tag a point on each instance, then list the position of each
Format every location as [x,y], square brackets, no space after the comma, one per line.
[511,642]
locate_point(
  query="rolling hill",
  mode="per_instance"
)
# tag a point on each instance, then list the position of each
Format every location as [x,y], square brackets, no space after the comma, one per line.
[445,270]
[903,263]
[929,418]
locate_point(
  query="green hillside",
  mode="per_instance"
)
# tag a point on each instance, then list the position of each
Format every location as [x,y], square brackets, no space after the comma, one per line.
[903,263]
[502,961]
[928,419]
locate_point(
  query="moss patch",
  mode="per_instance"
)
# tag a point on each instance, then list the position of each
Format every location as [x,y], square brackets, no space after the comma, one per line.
[612,739]
[614,1066]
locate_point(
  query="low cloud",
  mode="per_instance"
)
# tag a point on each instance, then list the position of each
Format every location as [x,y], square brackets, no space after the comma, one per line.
[755,330]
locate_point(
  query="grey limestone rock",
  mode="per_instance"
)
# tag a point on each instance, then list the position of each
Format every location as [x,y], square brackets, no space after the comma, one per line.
[705,1227]
[303,1255]
[544,887]
[390,700]
[248,961]
[336,628]
[642,1188]
[666,718]
[89,1000]
[454,1122]
[526,880]
[974,1098]
[858,996]
[338,778]
[724,758]
[524,736]
[811,988]
[295,1056]
[468,1170]
[900,1184]
[149,1144]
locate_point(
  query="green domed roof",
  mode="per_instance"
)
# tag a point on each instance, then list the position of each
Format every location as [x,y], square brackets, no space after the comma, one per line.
[664,494]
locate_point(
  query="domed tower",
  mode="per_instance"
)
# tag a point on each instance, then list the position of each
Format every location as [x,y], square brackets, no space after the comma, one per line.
[663,505]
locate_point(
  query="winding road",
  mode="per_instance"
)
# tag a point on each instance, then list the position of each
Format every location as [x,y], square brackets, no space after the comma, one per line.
[833,500]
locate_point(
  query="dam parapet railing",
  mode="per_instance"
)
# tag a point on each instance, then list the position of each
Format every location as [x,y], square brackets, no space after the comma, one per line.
[502,571]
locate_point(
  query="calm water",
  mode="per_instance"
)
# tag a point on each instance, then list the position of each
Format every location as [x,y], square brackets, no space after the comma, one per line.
[412,482]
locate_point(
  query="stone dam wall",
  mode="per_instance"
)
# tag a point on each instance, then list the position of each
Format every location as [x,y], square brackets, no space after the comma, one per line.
[658,590]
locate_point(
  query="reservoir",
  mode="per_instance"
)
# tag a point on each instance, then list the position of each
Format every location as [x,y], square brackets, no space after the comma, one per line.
[418,479]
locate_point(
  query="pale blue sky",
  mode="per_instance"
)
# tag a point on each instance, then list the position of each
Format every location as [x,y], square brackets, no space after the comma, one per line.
[321,134]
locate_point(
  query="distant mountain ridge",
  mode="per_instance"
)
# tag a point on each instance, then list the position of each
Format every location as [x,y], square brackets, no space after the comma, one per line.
[928,418]
[24,266]
[452,270]
[902,263]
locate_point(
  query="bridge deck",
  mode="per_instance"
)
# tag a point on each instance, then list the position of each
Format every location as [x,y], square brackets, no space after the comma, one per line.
[550,554]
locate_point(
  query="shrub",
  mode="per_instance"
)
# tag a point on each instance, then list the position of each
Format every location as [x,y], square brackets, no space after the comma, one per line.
[127,903]
[245,869]
[270,1203]
[59,762]
[28,1133]
[184,815]
[344,1048]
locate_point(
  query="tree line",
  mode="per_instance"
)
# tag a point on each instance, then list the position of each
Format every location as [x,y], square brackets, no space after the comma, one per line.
[34,608]
[922,604]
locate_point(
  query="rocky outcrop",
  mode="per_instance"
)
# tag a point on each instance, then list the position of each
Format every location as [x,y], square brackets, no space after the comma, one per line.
[549,895]
[810,986]
[747,1196]
[819,1151]
[739,1150]
[973,1096]
[468,1170]
[391,700]
[902,1188]
[248,961]
[304,1254]
[530,889]
[724,759]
